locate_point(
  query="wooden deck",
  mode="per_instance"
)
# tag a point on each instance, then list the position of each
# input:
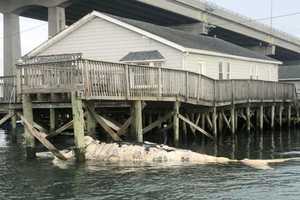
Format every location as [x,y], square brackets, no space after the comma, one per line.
[97,80]
[75,91]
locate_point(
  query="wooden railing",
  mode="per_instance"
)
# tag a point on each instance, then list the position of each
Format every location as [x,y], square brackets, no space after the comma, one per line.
[8,89]
[115,81]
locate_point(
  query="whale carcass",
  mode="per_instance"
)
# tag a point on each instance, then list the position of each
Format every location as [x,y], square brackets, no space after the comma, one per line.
[151,153]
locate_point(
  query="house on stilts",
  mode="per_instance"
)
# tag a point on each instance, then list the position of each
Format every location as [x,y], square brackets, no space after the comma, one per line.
[129,77]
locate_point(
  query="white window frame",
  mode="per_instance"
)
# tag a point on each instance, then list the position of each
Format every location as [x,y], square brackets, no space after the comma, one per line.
[221,70]
[228,70]
[202,68]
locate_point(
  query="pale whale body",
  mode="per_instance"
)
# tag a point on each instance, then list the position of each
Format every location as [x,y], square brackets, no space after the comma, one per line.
[153,153]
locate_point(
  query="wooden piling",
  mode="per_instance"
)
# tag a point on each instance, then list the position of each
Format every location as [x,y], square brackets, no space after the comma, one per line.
[52,119]
[214,121]
[28,115]
[220,123]
[137,121]
[176,123]
[261,117]
[232,113]
[90,120]
[280,115]
[289,114]
[78,124]
[248,115]
[13,122]
[273,116]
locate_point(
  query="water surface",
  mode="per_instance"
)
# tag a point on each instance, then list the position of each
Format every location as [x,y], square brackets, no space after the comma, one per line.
[21,179]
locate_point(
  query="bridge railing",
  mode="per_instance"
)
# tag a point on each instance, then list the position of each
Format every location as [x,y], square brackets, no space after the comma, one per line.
[115,81]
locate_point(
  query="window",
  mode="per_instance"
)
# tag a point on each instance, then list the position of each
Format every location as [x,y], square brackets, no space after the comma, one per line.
[228,71]
[254,73]
[221,70]
[202,67]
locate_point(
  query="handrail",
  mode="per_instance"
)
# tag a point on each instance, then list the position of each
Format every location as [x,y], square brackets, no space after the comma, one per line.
[119,81]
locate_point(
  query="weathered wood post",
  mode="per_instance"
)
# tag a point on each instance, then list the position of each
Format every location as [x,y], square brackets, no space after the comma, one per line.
[184,130]
[176,123]
[13,122]
[203,116]
[90,120]
[214,121]
[232,113]
[261,117]
[220,122]
[248,113]
[289,114]
[137,121]
[52,119]
[273,116]
[232,110]
[28,114]
[78,124]
[280,115]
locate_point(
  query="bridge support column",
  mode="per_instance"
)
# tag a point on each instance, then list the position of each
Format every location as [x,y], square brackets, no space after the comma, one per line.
[12,43]
[176,123]
[273,116]
[28,115]
[56,20]
[137,122]
[78,124]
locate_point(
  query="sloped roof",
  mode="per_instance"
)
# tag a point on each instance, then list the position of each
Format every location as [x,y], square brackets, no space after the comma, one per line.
[193,41]
[180,40]
[289,72]
[142,55]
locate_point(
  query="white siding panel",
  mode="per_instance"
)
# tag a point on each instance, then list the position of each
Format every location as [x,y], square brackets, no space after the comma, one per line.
[240,69]
[102,40]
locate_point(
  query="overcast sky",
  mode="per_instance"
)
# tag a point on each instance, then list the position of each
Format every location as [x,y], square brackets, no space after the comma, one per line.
[34,32]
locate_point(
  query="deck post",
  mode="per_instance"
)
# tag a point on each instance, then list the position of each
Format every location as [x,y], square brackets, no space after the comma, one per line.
[289,115]
[214,121]
[176,123]
[137,121]
[232,113]
[280,115]
[28,114]
[203,116]
[78,124]
[52,120]
[261,117]
[220,122]
[13,122]
[184,130]
[91,122]
[248,113]
[273,116]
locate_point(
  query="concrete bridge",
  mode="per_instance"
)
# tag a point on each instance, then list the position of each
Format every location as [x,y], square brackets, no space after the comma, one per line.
[188,15]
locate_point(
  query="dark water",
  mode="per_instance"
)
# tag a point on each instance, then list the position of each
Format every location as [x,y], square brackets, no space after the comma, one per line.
[20,179]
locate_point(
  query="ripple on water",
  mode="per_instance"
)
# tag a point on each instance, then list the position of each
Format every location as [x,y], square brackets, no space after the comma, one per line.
[40,179]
